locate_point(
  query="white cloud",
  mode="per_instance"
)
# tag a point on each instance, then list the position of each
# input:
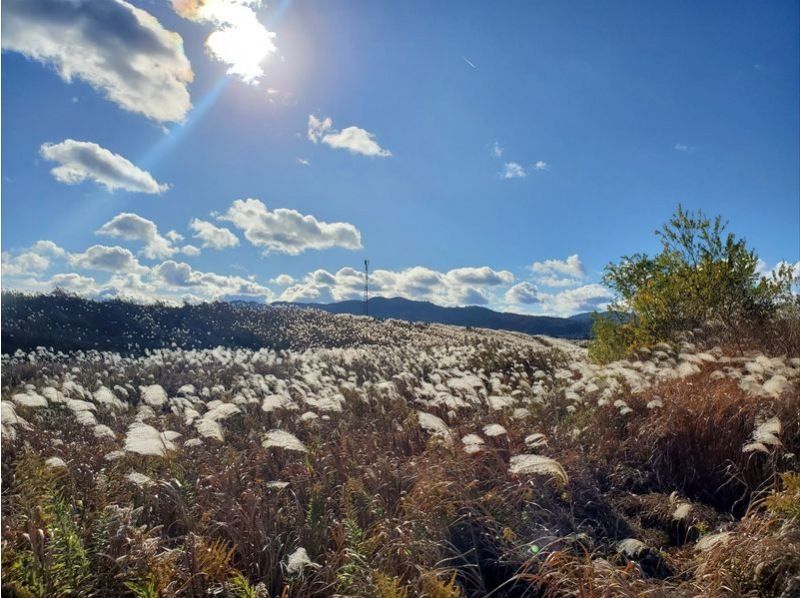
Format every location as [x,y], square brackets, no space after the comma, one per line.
[181,275]
[117,48]
[497,150]
[541,165]
[556,281]
[109,259]
[190,250]
[484,276]
[282,280]
[353,139]
[72,281]
[585,298]
[213,236]
[769,273]
[174,236]
[682,147]
[303,162]
[133,227]
[571,267]
[169,281]
[239,39]
[28,262]
[523,293]
[461,286]
[33,260]
[512,170]
[288,231]
[83,160]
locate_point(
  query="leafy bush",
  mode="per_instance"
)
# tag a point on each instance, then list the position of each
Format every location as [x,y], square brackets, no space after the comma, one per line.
[702,276]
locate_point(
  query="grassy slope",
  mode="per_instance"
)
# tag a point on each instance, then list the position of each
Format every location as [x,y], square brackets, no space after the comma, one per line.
[651,451]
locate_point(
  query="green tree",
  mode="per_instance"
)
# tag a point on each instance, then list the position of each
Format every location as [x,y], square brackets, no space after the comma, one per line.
[702,275]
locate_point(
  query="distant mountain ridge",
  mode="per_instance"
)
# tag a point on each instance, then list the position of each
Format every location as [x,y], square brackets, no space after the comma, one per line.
[575,327]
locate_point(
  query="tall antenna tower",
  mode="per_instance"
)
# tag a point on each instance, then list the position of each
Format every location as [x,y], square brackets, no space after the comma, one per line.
[366,287]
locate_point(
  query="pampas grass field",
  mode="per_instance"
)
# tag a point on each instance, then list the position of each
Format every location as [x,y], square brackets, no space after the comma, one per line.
[389,459]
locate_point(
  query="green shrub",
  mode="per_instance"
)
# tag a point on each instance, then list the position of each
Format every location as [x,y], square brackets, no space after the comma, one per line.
[701,276]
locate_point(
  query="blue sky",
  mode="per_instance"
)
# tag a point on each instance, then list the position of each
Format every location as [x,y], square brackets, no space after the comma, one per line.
[473,149]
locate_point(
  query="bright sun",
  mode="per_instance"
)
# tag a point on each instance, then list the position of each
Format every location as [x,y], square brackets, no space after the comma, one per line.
[240,40]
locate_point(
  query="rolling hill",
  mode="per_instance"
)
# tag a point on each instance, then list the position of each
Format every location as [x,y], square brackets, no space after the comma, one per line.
[575,327]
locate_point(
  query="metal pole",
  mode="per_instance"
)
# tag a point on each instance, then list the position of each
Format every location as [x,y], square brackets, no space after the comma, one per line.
[366,287]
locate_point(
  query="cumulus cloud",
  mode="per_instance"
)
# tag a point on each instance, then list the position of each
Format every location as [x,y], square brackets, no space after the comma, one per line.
[117,48]
[496,150]
[461,286]
[523,293]
[585,298]
[33,260]
[239,39]
[541,165]
[288,231]
[82,160]
[213,236]
[207,284]
[72,281]
[169,281]
[353,139]
[484,276]
[572,267]
[512,170]
[133,227]
[190,250]
[109,259]
[282,280]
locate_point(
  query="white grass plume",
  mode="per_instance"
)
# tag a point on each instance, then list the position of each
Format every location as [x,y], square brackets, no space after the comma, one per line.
[208,428]
[153,395]
[494,430]
[298,561]
[146,440]
[764,436]
[538,465]
[472,444]
[284,440]
[31,400]
[535,440]
[435,425]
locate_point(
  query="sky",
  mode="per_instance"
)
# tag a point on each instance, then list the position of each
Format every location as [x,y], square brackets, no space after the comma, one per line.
[477,153]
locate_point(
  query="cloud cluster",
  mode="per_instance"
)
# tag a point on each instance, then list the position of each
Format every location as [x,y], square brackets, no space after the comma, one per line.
[132,227]
[353,139]
[174,280]
[108,259]
[559,273]
[213,236]
[523,293]
[33,260]
[117,48]
[82,160]
[461,286]
[182,277]
[169,280]
[512,170]
[581,299]
[239,39]
[288,231]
